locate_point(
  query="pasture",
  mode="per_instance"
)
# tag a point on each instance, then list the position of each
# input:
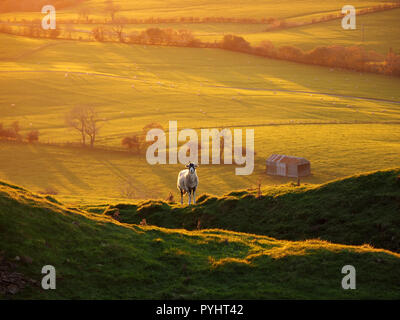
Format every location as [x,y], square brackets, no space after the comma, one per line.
[343,122]
[376,31]
[287,9]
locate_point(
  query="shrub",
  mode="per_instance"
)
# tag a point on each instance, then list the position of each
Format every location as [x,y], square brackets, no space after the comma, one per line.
[49,191]
[98,34]
[134,143]
[235,43]
[10,133]
[153,125]
[170,198]
[32,136]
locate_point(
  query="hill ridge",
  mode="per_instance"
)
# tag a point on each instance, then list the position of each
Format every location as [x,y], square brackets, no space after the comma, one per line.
[359,209]
[98,258]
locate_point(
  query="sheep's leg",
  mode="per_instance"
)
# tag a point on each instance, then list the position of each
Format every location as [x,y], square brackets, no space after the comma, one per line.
[181,196]
[190,196]
[194,196]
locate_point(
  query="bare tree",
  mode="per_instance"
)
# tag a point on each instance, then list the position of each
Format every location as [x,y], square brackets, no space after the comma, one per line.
[84,13]
[112,9]
[85,120]
[69,28]
[119,31]
[98,33]
[92,127]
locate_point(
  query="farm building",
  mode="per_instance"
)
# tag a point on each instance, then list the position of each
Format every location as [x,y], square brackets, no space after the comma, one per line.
[288,166]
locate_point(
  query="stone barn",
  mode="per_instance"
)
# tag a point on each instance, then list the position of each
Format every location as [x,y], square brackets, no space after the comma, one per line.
[288,166]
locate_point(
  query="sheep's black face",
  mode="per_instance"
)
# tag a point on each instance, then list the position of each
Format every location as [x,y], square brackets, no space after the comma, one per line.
[191,167]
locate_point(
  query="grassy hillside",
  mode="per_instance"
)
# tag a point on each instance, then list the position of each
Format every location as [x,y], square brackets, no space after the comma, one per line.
[97,258]
[358,210]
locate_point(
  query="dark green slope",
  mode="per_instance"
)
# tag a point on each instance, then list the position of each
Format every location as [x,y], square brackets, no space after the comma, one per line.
[98,258]
[363,209]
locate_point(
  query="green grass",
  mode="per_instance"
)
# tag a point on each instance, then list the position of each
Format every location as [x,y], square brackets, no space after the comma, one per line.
[97,258]
[357,210]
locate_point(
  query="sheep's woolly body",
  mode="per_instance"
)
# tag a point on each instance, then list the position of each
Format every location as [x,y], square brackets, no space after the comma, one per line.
[187,181]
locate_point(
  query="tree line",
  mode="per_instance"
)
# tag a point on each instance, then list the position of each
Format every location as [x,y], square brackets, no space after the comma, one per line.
[283,24]
[354,58]
[335,56]
[36,5]
[86,15]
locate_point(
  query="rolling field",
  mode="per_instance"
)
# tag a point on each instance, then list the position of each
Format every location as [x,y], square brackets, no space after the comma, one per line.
[206,8]
[343,122]
[112,224]
[78,176]
[376,31]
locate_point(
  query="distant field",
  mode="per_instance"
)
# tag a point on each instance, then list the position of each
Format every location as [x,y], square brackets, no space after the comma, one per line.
[378,31]
[375,31]
[134,85]
[206,8]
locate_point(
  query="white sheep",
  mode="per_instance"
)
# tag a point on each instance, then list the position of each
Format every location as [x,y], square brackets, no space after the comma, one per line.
[188,182]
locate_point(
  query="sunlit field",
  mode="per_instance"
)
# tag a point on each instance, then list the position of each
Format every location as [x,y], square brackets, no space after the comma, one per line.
[226,8]
[376,31]
[97,176]
[340,120]
[77,191]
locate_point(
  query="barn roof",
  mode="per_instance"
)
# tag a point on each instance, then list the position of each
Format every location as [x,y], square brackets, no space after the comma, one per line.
[281,158]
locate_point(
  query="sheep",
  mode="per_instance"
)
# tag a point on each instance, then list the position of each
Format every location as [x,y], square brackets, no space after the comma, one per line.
[188,182]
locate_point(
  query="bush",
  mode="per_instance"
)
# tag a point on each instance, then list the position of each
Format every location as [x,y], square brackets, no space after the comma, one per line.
[235,43]
[153,125]
[32,136]
[49,191]
[170,198]
[10,133]
[134,143]
[98,34]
